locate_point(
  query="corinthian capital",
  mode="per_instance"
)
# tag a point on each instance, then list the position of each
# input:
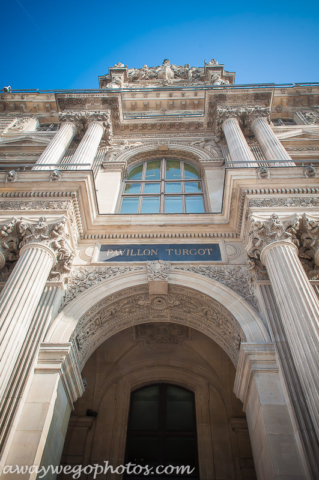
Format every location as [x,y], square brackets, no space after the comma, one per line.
[265,232]
[225,113]
[81,119]
[52,235]
[9,242]
[253,113]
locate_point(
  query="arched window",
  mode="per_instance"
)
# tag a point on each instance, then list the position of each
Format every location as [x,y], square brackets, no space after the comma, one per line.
[162,430]
[167,185]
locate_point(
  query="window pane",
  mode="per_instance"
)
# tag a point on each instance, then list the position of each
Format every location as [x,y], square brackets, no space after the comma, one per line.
[132,188]
[129,205]
[190,171]
[150,205]
[153,171]
[192,187]
[179,409]
[136,173]
[152,188]
[173,188]
[173,169]
[194,205]
[173,205]
[144,409]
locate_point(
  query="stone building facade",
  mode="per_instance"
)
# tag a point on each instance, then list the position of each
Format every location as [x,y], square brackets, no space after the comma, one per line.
[161,231]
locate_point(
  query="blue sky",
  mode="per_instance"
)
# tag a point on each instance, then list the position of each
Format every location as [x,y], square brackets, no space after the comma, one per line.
[67,44]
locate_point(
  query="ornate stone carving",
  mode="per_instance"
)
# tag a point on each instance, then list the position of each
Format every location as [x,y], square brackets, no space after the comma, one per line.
[9,242]
[161,333]
[20,205]
[158,270]
[55,175]
[263,172]
[83,278]
[12,176]
[309,171]
[311,116]
[236,278]
[20,124]
[165,74]
[263,233]
[284,202]
[53,236]
[82,118]
[210,145]
[133,306]
[245,115]
[309,247]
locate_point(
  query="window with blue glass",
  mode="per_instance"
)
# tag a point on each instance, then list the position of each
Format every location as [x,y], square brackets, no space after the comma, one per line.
[163,185]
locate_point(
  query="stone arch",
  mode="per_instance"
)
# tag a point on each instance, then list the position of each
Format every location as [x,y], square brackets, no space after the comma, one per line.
[196,155]
[93,316]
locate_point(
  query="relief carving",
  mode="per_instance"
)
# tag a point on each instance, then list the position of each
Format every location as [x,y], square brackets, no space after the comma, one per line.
[9,242]
[158,270]
[134,306]
[161,333]
[236,278]
[82,278]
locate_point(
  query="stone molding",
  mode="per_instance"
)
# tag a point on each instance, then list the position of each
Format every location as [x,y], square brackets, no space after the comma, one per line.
[60,358]
[253,359]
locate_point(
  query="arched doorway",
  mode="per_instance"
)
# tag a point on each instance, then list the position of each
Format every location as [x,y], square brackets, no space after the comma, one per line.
[148,355]
[162,431]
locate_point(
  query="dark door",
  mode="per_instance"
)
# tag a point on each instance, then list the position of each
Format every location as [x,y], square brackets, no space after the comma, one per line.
[162,432]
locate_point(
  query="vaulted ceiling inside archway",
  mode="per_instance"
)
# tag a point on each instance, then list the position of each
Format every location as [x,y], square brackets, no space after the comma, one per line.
[133,306]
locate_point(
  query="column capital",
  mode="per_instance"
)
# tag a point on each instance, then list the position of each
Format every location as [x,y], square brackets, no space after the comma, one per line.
[254,113]
[82,119]
[264,232]
[228,113]
[52,236]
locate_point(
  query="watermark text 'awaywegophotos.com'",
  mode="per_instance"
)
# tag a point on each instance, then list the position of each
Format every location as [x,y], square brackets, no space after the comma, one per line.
[76,470]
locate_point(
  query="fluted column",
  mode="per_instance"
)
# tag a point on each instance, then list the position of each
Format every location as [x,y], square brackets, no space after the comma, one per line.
[56,149]
[274,241]
[43,245]
[18,303]
[269,143]
[86,151]
[237,145]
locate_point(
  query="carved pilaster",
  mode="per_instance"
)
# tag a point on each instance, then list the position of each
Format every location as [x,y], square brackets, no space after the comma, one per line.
[157,275]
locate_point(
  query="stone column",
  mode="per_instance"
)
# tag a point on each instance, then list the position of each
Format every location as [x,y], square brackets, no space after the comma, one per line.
[258,385]
[86,151]
[41,244]
[269,143]
[274,241]
[237,145]
[56,149]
